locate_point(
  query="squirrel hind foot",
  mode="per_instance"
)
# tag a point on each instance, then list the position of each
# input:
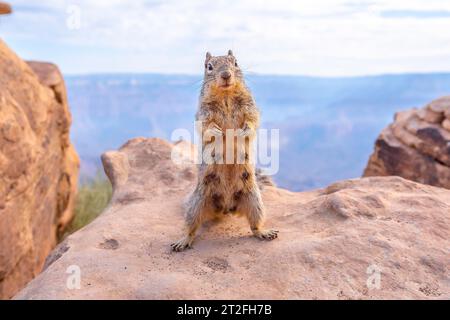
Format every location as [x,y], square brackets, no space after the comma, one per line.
[182,244]
[269,234]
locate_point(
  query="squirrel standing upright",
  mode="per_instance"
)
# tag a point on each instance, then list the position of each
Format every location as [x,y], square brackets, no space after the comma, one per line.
[223,187]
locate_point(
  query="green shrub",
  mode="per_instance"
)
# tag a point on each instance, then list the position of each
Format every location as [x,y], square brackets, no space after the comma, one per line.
[92,198]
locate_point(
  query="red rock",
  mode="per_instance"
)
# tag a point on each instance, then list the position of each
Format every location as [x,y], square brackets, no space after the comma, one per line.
[415,146]
[5,8]
[446,124]
[430,115]
[439,105]
[38,167]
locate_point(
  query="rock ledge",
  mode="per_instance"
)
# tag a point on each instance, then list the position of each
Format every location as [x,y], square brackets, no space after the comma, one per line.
[329,240]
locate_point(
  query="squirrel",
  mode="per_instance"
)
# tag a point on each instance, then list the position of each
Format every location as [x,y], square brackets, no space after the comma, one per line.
[223,188]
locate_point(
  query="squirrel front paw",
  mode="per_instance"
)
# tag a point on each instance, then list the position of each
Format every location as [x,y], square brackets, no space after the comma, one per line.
[246,131]
[214,131]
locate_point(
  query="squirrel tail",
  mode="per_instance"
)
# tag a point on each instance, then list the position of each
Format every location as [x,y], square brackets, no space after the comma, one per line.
[263,180]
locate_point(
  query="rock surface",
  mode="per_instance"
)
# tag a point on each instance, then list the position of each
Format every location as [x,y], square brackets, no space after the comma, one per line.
[416,146]
[38,167]
[5,8]
[329,240]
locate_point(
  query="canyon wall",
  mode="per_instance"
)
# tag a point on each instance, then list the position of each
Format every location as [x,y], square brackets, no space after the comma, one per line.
[38,167]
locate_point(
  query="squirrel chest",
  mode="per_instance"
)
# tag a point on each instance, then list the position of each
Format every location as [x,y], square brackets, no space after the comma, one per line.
[228,115]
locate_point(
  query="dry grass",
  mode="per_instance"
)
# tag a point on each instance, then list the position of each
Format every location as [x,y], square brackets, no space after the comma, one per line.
[92,198]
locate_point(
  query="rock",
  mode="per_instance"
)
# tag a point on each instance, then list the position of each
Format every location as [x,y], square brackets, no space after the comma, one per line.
[38,167]
[430,116]
[5,8]
[446,124]
[50,76]
[332,242]
[440,105]
[416,146]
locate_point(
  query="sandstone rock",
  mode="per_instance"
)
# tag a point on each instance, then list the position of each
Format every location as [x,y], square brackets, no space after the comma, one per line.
[446,124]
[430,116]
[415,146]
[332,241]
[440,105]
[38,167]
[5,8]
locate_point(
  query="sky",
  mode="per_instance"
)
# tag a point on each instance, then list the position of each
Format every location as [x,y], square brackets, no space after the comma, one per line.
[315,37]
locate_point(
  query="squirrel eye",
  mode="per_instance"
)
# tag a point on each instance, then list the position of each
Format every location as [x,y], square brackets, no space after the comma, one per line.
[210,67]
[235,64]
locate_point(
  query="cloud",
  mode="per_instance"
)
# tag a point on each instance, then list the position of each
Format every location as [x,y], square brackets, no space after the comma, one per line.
[423,14]
[324,37]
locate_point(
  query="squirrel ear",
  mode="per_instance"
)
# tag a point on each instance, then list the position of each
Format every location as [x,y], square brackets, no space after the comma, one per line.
[230,53]
[208,56]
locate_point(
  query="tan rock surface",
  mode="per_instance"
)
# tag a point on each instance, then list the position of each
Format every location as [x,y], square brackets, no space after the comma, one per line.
[415,146]
[329,240]
[38,167]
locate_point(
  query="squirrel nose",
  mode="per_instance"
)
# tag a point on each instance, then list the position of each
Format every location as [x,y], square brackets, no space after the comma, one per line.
[225,75]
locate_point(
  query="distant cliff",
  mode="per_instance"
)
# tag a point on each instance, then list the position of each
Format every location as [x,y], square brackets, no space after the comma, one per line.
[416,146]
[38,167]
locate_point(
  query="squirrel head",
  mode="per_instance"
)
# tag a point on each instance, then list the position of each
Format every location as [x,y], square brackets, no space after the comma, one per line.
[222,73]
